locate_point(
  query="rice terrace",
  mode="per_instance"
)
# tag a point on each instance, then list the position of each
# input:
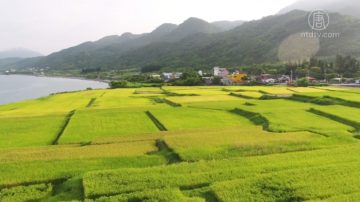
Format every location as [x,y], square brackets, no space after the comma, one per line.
[209,143]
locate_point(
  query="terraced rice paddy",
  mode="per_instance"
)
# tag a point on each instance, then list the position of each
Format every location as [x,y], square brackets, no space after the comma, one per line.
[29,131]
[348,96]
[88,124]
[210,143]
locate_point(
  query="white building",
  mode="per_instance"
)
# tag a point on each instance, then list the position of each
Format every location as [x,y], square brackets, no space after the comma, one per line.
[221,72]
[169,76]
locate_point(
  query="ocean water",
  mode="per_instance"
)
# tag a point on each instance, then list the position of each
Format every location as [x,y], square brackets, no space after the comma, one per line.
[15,88]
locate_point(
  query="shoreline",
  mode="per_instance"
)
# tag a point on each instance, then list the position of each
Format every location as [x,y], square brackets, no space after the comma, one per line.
[36,88]
[60,77]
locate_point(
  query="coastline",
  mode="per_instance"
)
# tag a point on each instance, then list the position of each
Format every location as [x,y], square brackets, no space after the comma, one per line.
[21,87]
[61,77]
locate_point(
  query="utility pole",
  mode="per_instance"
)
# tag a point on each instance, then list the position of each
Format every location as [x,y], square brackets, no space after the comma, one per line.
[308,74]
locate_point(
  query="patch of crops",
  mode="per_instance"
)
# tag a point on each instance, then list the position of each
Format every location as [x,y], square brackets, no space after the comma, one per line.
[192,118]
[285,116]
[345,96]
[62,152]
[349,113]
[86,125]
[307,90]
[122,98]
[133,145]
[151,195]
[244,140]
[29,131]
[248,94]
[308,169]
[53,104]
[26,193]
[24,172]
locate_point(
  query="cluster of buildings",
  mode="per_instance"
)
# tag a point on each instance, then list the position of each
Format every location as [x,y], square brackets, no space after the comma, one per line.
[238,77]
[227,78]
[222,76]
[167,76]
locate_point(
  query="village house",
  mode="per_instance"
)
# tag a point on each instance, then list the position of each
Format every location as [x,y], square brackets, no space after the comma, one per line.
[265,79]
[238,77]
[208,80]
[156,76]
[166,76]
[221,72]
[226,81]
[283,79]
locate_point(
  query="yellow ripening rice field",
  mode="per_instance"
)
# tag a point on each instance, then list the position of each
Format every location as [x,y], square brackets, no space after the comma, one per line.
[182,143]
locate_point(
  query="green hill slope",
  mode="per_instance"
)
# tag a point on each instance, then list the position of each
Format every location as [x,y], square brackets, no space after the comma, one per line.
[196,43]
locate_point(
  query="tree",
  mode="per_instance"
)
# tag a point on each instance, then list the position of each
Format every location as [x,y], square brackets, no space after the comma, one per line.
[119,84]
[150,68]
[347,66]
[216,80]
[302,82]
[189,79]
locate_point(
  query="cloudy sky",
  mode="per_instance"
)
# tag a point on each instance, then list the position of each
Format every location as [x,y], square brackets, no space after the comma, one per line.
[51,25]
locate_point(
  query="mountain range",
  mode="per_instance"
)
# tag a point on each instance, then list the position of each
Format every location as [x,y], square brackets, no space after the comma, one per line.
[345,7]
[196,43]
[18,53]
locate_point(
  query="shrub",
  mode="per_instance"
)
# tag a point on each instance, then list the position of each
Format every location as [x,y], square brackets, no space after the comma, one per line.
[119,84]
[302,82]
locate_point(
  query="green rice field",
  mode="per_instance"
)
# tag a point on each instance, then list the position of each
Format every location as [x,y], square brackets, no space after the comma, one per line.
[183,144]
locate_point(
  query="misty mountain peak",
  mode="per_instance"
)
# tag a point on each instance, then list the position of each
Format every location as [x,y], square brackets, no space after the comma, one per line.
[227,25]
[190,27]
[19,53]
[345,7]
[193,21]
[115,39]
[128,35]
[165,28]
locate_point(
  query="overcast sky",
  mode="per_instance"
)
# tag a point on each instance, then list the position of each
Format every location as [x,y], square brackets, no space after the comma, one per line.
[51,25]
